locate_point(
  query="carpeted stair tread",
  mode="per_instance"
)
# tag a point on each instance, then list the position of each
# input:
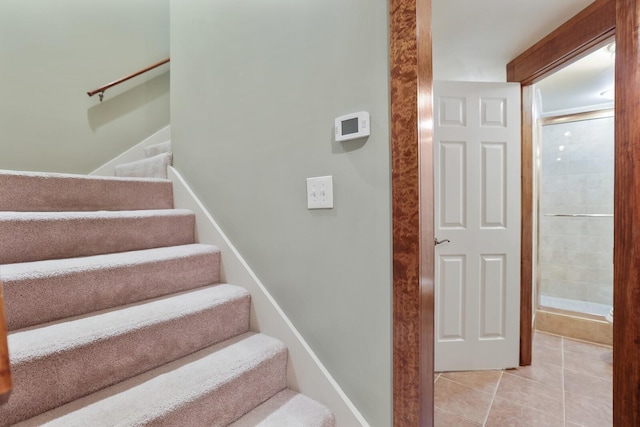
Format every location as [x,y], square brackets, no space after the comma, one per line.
[34,236]
[116,316]
[289,409]
[155,166]
[43,291]
[212,387]
[59,362]
[50,192]
[155,149]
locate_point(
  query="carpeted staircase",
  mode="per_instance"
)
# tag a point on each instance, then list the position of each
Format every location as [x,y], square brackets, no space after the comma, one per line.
[116,316]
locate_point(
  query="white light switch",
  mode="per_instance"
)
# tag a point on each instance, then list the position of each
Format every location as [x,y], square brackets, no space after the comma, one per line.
[320,192]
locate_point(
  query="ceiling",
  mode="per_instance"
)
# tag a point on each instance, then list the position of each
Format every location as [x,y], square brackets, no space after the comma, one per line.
[475,39]
[581,86]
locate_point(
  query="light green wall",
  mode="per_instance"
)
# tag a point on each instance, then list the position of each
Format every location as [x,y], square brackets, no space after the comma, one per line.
[255,87]
[52,53]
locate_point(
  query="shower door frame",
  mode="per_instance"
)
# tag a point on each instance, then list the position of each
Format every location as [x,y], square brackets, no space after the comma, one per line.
[537,175]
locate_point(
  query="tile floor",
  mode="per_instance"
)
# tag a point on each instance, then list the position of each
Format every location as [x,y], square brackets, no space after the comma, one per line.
[569,384]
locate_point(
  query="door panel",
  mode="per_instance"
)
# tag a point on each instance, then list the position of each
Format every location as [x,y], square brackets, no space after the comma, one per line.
[453,177]
[494,191]
[477,196]
[452,296]
[492,295]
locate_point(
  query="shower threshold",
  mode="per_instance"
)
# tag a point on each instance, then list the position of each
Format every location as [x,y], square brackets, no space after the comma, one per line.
[577,306]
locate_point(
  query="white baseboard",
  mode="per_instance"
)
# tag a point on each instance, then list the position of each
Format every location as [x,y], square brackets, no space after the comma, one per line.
[305,371]
[134,153]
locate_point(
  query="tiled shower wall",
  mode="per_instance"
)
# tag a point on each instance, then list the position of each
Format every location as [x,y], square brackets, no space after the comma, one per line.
[576,254]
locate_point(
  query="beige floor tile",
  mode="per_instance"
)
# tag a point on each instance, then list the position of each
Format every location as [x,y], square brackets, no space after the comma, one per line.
[545,355]
[445,419]
[587,411]
[543,397]
[593,350]
[582,384]
[486,381]
[461,400]
[596,365]
[595,359]
[547,374]
[505,413]
[569,384]
[547,340]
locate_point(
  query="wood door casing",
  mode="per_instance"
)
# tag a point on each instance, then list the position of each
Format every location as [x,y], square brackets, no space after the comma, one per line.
[410,407]
[580,35]
[569,42]
[626,253]
[526,227]
[412,205]
[566,44]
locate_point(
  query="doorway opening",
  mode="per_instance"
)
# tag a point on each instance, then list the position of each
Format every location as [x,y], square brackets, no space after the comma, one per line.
[573,204]
[569,381]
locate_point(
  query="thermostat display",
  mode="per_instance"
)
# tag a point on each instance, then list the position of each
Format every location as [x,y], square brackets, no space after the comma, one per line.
[352,126]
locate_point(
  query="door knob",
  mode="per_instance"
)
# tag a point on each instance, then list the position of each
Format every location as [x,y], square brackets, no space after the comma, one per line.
[437,242]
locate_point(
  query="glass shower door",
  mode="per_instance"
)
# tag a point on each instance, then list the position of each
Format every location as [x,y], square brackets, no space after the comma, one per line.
[576,215]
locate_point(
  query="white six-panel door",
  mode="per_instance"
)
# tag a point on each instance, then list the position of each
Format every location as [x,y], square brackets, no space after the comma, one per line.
[477,209]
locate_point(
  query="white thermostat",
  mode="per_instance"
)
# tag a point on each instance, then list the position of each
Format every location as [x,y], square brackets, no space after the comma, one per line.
[352,126]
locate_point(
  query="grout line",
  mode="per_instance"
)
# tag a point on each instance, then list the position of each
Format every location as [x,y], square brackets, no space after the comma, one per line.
[595,344]
[459,416]
[443,378]
[493,398]
[464,385]
[590,375]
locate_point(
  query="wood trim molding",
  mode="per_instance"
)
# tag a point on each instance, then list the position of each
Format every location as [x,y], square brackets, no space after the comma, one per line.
[526,232]
[410,69]
[595,24]
[626,254]
[426,209]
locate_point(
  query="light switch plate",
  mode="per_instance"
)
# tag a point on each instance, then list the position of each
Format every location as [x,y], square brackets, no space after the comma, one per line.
[320,192]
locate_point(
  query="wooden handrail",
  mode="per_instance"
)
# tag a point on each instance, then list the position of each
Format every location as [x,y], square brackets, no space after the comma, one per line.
[101,89]
[5,368]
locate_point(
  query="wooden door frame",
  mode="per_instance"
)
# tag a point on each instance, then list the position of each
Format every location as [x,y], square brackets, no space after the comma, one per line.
[569,42]
[411,135]
[580,35]
[412,205]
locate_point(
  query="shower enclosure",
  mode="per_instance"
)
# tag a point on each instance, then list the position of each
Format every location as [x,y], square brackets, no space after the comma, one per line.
[575,217]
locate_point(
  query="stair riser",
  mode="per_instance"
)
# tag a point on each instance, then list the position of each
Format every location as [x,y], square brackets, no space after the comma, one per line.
[44,383]
[155,167]
[39,299]
[153,150]
[37,193]
[33,240]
